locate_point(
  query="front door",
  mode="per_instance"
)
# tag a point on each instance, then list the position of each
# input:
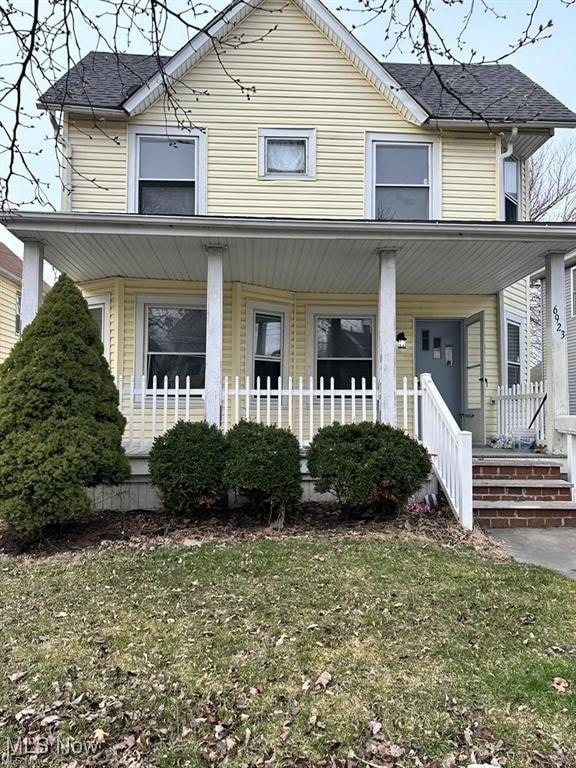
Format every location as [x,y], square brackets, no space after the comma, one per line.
[439,352]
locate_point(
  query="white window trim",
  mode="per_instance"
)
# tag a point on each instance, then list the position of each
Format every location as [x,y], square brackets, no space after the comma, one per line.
[338,311]
[435,155]
[103,301]
[158,300]
[572,289]
[519,173]
[268,308]
[134,134]
[287,133]
[511,317]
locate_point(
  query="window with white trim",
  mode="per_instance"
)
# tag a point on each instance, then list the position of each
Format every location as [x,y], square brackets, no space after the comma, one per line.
[18,315]
[268,347]
[573,290]
[401,175]
[513,352]
[99,308]
[174,345]
[286,153]
[511,189]
[344,349]
[166,171]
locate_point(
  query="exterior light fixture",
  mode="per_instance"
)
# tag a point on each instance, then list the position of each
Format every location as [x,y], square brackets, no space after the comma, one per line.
[401,340]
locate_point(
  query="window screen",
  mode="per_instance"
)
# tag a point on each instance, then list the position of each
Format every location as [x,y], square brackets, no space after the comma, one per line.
[175,345]
[344,350]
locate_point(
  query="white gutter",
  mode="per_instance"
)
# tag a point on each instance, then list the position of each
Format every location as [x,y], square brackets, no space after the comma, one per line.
[82,110]
[467,123]
[30,224]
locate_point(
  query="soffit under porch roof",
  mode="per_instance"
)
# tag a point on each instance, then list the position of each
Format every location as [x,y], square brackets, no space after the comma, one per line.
[323,256]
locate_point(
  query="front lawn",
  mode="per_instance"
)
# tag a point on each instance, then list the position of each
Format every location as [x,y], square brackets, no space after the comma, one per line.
[297,651]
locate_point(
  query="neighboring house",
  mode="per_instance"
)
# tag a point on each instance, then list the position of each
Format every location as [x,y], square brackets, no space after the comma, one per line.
[349,221]
[10,298]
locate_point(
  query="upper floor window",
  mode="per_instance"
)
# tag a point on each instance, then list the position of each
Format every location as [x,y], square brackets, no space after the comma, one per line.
[402,178]
[286,152]
[511,189]
[167,171]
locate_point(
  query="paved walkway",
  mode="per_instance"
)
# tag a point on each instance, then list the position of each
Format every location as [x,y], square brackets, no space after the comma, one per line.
[552,547]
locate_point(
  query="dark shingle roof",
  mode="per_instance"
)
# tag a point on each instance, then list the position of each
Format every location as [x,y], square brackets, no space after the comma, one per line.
[9,262]
[497,92]
[102,80]
[490,92]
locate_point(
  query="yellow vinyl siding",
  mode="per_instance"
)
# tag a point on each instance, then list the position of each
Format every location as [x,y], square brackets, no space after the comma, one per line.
[8,335]
[302,81]
[237,297]
[99,164]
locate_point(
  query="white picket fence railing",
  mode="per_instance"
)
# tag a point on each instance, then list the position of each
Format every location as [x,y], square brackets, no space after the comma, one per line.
[450,449]
[517,406]
[301,406]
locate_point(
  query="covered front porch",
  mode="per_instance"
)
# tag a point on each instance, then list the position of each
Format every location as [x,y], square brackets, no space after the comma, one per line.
[302,323]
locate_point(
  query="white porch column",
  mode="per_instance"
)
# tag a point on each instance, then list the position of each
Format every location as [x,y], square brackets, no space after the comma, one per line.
[214,321]
[32,281]
[555,349]
[386,357]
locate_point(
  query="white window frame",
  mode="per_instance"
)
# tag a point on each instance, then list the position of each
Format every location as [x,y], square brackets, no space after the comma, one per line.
[135,132]
[158,300]
[268,308]
[434,144]
[572,291]
[18,313]
[338,311]
[103,301]
[519,176]
[514,319]
[309,134]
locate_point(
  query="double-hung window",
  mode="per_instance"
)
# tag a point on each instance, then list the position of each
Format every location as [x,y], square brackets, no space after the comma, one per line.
[344,349]
[174,345]
[268,343]
[511,189]
[167,172]
[286,153]
[401,181]
[99,308]
[513,352]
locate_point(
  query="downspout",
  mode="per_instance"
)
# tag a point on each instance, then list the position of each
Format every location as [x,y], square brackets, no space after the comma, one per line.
[501,303]
[65,163]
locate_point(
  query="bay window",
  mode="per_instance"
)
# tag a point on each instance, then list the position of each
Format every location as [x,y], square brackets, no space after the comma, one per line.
[513,352]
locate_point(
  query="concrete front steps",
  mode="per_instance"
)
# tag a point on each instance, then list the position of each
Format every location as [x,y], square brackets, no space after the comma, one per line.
[521,492]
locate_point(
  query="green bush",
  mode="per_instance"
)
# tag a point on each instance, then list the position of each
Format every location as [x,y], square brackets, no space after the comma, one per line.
[368,464]
[264,465]
[186,465]
[60,427]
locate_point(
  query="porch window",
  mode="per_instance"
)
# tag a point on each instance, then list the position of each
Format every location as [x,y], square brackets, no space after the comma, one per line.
[286,152]
[344,350]
[511,189]
[18,316]
[402,181]
[513,353]
[99,308]
[268,342]
[175,345]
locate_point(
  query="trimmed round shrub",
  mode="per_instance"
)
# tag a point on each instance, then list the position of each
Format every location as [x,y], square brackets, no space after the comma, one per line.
[264,465]
[60,426]
[186,465]
[368,464]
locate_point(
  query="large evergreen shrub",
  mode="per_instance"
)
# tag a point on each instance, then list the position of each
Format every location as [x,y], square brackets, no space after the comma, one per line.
[60,426]
[264,465]
[186,465]
[368,464]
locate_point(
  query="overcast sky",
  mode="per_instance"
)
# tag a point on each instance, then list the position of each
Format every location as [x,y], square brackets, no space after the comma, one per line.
[551,62]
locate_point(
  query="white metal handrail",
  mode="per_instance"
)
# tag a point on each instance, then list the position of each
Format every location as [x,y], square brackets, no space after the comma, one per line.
[517,407]
[450,449]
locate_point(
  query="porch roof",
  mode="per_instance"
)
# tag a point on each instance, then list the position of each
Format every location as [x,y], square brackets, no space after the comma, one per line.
[447,257]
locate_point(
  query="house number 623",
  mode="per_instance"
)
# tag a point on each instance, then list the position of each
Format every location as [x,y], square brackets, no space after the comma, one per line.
[559,328]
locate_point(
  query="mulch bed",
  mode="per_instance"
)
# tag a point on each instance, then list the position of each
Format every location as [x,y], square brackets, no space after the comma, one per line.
[151,529]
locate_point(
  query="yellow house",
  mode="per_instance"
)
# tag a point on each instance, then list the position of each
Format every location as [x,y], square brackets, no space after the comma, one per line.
[303,234]
[10,298]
